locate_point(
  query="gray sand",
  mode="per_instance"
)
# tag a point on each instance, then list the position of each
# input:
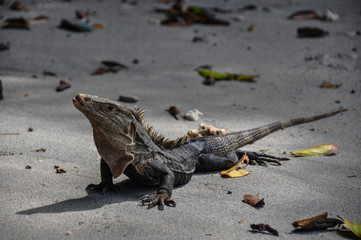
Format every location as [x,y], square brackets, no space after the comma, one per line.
[37,203]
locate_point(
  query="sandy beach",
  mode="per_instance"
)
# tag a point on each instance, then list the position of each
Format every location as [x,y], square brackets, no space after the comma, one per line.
[40,128]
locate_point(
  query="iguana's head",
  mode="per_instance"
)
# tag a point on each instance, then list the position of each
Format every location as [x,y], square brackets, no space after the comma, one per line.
[104,113]
[113,129]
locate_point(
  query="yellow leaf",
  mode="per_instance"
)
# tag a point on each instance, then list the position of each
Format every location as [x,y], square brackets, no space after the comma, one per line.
[247,78]
[97,26]
[355,227]
[321,150]
[235,173]
[237,170]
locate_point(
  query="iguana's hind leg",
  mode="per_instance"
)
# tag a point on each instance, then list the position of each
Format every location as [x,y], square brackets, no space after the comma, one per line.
[260,158]
[107,180]
[211,162]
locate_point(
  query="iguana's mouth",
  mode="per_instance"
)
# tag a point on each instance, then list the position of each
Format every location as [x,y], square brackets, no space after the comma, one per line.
[78,102]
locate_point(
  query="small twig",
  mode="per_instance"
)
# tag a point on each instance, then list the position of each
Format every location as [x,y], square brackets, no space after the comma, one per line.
[9,133]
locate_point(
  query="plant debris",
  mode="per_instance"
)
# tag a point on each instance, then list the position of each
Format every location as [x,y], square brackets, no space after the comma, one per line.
[320,150]
[174,111]
[60,170]
[264,227]
[237,170]
[179,16]
[62,86]
[250,28]
[193,115]
[354,227]
[79,27]
[304,15]
[320,222]
[311,32]
[109,66]
[329,15]
[28,167]
[37,20]
[18,23]
[17,6]
[40,150]
[206,130]
[210,77]
[4,46]
[1,91]
[326,84]
[127,99]
[47,73]
[82,15]
[253,200]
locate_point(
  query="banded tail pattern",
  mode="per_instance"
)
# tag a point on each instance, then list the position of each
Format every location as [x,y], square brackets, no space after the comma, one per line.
[220,145]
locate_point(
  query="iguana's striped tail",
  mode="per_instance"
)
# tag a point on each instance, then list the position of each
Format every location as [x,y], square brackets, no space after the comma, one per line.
[220,145]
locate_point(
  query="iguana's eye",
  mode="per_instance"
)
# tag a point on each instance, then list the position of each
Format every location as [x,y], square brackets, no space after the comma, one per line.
[87,99]
[109,108]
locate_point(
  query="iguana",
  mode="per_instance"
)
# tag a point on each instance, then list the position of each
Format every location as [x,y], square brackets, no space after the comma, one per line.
[127,145]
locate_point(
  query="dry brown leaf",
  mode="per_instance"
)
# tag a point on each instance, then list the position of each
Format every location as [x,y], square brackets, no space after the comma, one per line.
[37,20]
[253,200]
[320,222]
[326,84]
[82,15]
[304,15]
[100,70]
[308,220]
[62,86]
[174,111]
[264,227]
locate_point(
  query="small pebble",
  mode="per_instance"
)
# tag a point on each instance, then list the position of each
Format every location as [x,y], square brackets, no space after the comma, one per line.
[193,115]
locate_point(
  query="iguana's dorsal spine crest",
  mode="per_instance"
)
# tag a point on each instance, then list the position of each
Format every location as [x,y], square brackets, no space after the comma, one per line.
[157,137]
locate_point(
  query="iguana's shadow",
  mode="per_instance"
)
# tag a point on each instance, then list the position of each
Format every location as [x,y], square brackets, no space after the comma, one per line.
[127,190]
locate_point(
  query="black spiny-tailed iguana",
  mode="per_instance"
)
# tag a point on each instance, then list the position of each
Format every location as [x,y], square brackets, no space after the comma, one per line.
[127,145]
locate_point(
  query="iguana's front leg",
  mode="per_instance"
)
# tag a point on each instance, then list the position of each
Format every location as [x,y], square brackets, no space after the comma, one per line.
[164,193]
[106,180]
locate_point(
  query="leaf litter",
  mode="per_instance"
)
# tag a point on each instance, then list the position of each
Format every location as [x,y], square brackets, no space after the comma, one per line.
[177,15]
[319,222]
[237,170]
[109,66]
[320,150]
[210,77]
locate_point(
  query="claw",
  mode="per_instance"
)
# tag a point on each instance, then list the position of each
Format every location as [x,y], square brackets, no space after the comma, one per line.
[159,199]
[263,159]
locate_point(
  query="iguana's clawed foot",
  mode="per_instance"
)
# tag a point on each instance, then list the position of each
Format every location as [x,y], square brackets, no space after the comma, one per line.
[101,187]
[159,199]
[264,159]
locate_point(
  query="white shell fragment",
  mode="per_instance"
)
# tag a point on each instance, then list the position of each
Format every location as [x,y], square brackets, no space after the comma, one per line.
[330,16]
[193,115]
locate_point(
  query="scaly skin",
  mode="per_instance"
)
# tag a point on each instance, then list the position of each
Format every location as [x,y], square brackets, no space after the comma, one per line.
[127,145]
